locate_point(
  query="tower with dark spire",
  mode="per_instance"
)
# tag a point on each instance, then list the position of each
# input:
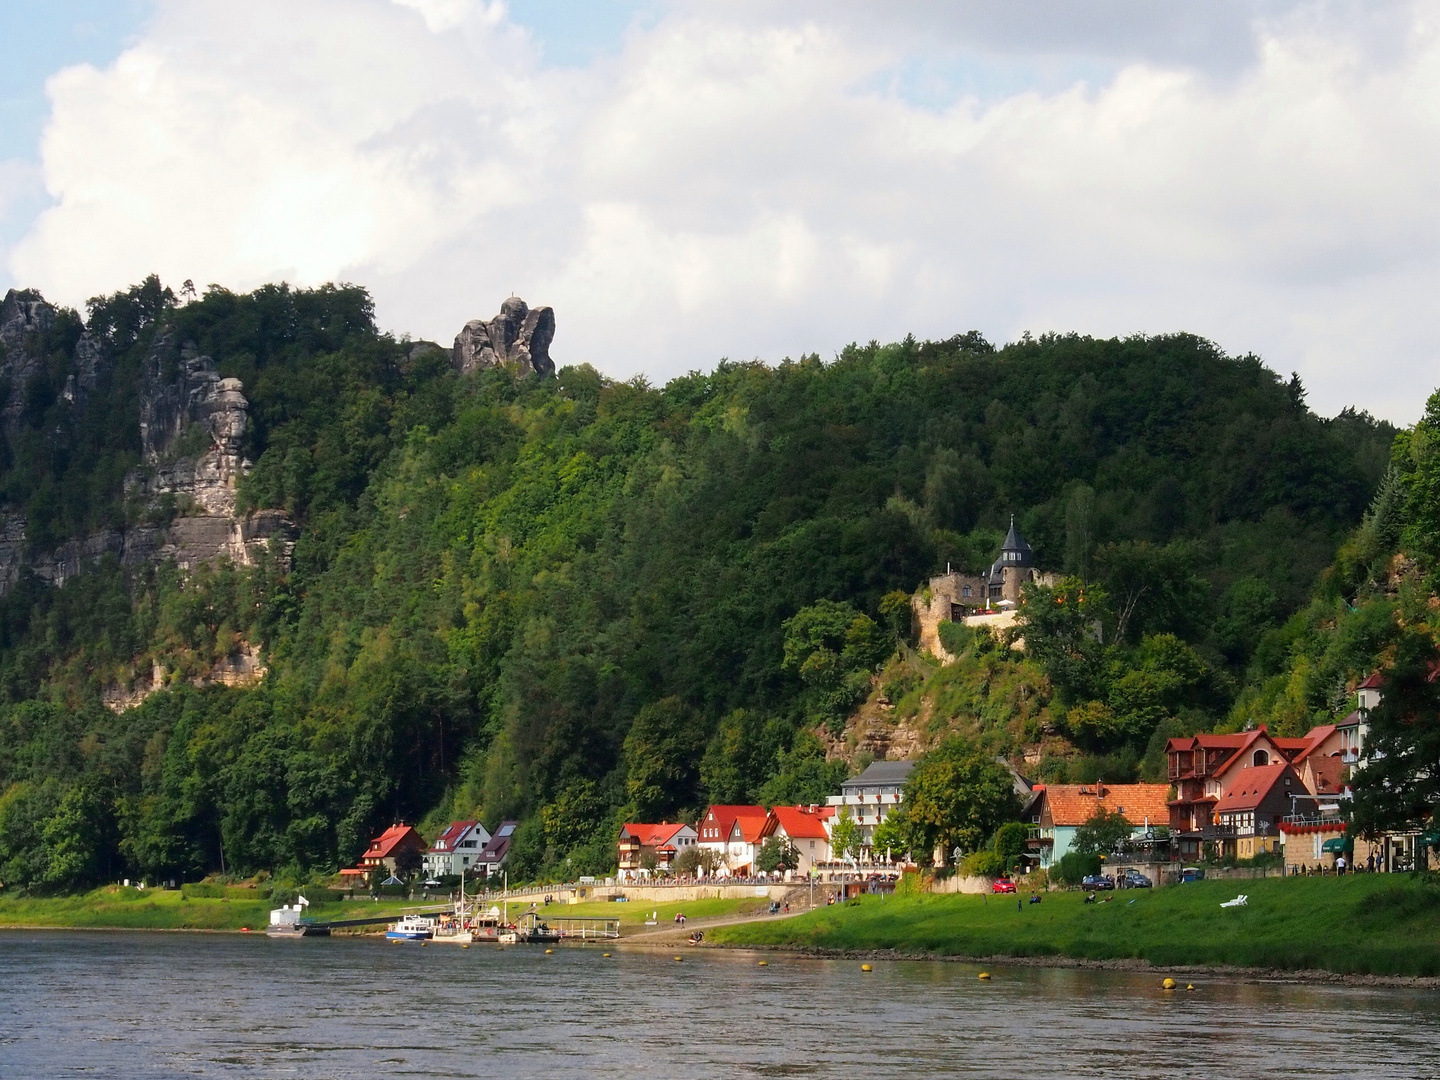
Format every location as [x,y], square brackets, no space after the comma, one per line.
[1012,568]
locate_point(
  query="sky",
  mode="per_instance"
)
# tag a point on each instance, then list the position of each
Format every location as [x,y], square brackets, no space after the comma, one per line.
[686,181]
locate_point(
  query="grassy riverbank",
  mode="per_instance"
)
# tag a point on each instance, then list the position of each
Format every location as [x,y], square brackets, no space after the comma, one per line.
[1366,924]
[116,907]
[633,915]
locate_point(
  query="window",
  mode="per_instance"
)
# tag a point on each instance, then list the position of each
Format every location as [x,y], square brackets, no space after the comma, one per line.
[965,591]
[1261,757]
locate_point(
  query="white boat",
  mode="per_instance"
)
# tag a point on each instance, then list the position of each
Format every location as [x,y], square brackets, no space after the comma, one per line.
[412,928]
[287,921]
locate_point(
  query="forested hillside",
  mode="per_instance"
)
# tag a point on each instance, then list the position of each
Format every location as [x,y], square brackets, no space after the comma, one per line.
[566,599]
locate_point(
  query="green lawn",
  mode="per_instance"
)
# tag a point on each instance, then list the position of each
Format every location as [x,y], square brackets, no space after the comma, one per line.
[117,907]
[1372,924]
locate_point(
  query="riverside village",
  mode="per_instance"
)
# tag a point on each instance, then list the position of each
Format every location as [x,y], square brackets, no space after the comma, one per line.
[1240,806]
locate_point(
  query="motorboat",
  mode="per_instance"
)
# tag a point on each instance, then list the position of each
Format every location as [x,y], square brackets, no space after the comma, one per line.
[412,928]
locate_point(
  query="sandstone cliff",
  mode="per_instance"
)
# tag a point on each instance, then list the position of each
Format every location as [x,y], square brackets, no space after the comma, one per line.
[518,337]
[191,426]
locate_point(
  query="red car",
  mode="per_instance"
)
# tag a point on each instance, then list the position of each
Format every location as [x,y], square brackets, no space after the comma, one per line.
[1003,884]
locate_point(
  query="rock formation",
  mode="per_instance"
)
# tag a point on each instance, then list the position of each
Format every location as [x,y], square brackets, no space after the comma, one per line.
[24,317]
[518,337]
[192,426]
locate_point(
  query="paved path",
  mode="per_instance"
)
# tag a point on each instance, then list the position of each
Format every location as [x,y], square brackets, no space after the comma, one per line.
[669,932]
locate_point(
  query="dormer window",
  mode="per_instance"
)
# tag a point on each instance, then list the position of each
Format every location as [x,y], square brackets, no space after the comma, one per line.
[1261,757]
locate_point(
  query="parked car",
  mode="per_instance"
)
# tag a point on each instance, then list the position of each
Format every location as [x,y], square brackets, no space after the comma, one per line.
[1097,882]
[1003,884]
[1133,879]
[1191,873]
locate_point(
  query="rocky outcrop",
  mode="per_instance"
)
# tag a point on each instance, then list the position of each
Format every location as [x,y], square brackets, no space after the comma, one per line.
[519,337]
[192,429]
[189,541]
[191,425]
[244,667]
[24,318]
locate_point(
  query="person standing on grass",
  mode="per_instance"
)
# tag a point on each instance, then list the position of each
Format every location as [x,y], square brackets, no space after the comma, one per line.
[1370,863]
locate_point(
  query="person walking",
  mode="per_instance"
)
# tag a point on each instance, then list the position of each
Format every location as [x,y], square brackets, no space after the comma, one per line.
[1340,865]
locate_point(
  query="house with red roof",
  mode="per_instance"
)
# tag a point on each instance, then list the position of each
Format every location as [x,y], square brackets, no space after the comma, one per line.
[645,847]
[1060,810]
[807,828]
[493,855]
[1202,767]
[395,842]
[1252,808]
[456,850]
[733,833]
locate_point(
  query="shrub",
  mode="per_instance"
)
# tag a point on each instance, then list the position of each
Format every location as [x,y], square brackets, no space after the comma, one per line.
[1075,867]
[983,864]
[913,883]
[956,637]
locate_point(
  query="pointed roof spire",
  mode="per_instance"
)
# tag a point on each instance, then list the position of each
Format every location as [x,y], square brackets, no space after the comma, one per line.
[1014,551]
[1014,541]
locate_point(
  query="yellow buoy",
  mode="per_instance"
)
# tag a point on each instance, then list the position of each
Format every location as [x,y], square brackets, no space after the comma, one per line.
[464,946]
[984,975]
[607,954]
[1168,984]
[764,963]
[549,951]
[424,943]
[866,967]
[679,959]
[1190,986]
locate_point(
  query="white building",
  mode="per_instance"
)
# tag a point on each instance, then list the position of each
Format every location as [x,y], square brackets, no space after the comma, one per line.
[733,833]
[456,850]
[871,796]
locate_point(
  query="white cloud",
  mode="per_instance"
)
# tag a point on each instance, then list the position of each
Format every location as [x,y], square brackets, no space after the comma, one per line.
[441,15]
[745,180]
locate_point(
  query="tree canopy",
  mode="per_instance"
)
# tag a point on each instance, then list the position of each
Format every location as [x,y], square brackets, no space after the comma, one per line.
[564,600]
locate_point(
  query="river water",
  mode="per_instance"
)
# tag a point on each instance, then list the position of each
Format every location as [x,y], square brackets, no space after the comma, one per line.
[181,1005]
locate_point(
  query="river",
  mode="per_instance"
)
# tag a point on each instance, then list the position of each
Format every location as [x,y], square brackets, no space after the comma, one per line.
[121,1005]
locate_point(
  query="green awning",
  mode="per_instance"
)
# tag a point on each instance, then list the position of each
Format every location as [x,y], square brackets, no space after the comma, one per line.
[1337,844]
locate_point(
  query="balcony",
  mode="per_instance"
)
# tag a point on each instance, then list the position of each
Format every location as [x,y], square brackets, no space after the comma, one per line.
[1208,832]
[1314,820]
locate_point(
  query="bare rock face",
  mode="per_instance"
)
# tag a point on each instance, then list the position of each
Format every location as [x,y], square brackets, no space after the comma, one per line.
[24,316]
[518,337]
[192,428]
[191,425]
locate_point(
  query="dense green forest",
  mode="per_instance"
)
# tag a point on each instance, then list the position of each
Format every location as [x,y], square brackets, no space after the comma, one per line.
[572,600]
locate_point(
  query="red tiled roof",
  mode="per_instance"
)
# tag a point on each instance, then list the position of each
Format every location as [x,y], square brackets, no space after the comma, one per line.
[1328,774]
[1313,740]
[800,823]
[722,818]
[1209,742]
[1374,682]
[384,844]
[1075,804]
[751,827]
[650,835]
[447,840]
[1251,786]
[1302,743]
